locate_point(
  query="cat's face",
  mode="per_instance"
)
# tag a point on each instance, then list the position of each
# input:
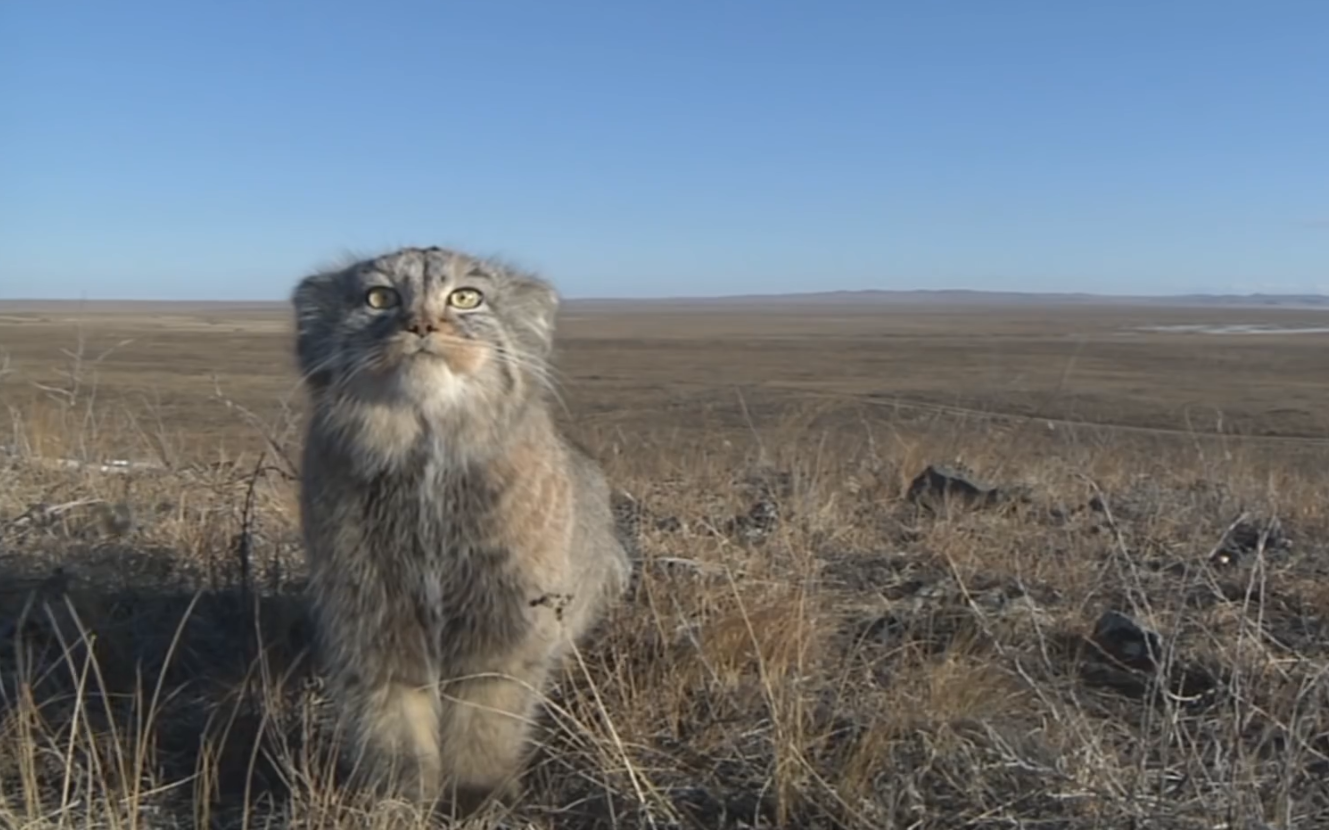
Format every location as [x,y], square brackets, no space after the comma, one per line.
[432,328]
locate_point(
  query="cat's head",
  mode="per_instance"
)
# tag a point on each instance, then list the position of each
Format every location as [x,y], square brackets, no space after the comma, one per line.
[432,328]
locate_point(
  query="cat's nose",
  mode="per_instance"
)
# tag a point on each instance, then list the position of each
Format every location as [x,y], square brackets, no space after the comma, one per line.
[420,326]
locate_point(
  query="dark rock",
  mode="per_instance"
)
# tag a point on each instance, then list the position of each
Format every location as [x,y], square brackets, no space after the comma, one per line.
[940,485]
[1132,670]
[1248,537]
[1127,642]
[1195,685]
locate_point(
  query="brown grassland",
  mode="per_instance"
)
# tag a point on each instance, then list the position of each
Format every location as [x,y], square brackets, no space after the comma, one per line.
[806,646]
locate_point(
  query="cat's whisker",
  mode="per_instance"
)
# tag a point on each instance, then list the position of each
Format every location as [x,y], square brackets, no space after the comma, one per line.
[369,360]
[327,363]
[539,371]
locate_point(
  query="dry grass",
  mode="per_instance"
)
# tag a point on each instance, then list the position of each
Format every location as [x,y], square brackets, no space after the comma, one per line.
[806,647]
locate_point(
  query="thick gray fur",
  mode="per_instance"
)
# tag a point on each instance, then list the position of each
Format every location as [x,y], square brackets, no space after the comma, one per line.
[451,530]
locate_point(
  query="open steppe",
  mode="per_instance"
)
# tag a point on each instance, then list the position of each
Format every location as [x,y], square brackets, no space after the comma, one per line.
[807,645]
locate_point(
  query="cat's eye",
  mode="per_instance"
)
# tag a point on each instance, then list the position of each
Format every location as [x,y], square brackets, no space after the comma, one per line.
[380,297]
[465,299]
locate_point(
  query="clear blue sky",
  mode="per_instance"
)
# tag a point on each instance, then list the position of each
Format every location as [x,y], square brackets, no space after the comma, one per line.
[210,149]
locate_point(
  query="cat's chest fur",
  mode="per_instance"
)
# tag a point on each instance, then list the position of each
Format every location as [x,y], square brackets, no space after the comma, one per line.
[433,538]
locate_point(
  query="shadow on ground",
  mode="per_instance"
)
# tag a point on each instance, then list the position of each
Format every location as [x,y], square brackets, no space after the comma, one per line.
[113,654]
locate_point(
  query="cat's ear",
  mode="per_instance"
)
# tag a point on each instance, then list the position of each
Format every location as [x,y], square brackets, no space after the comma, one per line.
[534,306]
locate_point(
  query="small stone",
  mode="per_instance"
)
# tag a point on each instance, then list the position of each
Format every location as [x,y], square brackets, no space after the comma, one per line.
[1248,537]
[1126,641]
[947,485]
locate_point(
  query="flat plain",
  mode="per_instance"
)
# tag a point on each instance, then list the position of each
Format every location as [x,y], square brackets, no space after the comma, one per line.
[812,642]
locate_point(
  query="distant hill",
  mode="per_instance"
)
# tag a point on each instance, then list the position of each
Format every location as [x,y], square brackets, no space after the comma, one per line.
[957,297]
[216,307]
[965,297]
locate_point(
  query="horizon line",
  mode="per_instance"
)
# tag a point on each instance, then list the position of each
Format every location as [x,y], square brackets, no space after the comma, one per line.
[787,295]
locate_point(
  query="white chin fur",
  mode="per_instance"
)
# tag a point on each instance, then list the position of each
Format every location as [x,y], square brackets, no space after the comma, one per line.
[431,385]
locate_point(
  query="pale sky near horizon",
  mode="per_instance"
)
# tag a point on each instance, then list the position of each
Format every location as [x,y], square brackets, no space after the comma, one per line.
[154,149]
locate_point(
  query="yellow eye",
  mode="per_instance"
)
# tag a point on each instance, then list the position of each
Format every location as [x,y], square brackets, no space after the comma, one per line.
[380,297]
[465,298]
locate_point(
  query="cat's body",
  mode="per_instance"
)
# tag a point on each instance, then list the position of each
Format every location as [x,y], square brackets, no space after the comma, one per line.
[457,543]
